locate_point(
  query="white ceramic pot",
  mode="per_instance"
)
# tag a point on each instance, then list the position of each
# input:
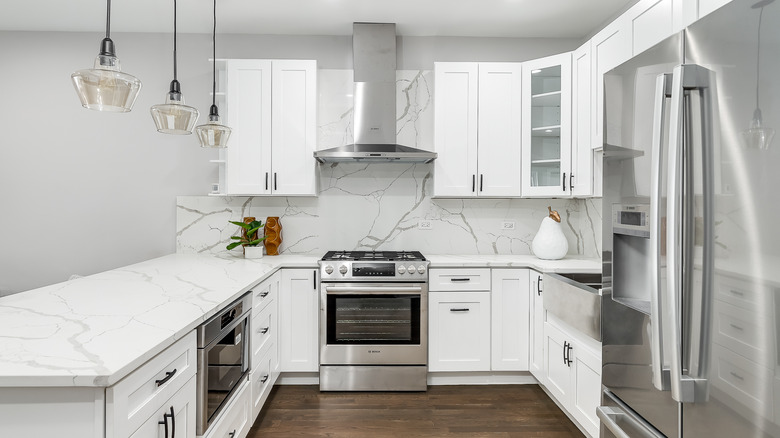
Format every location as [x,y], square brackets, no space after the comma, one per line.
[253,252]
[550,243]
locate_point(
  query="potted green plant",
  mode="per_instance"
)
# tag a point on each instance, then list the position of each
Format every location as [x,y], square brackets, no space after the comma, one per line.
[249,239]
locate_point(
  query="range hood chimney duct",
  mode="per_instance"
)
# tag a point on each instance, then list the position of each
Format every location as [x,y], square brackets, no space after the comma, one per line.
[374,64]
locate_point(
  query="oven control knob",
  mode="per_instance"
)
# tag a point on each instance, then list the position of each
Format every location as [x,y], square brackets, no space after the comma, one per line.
[328,269]
[343,269]
[421,269]
[411,269]
[401,269]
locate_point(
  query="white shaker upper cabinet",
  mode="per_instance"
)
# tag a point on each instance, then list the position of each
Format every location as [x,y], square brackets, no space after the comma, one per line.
[609,48]
[581,183]
[547,126]
[652,21]
[477,129]
[272,112]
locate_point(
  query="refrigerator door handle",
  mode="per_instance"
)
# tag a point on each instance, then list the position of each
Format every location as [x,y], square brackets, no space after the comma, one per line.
[663,91]
[685,78]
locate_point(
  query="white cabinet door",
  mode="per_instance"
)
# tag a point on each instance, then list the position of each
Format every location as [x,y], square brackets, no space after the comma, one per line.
[455,129]
[557,370]
[509,320]
[707,6]
[294,127]
[537,326]
[299,320]
[609,48]
[546,161]
[183,419]
[459,331]
[499,135]
[651,22]
[581,182]
[586,394]
[248,164]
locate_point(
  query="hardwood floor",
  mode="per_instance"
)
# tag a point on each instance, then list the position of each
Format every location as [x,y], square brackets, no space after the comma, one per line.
[461,411]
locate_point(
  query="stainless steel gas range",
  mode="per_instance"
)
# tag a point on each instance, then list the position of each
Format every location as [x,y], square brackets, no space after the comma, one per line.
[373,321]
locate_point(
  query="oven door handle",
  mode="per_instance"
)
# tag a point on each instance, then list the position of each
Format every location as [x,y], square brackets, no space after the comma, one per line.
[358,290]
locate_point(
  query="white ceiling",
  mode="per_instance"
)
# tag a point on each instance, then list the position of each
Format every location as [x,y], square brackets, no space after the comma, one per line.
[478,18]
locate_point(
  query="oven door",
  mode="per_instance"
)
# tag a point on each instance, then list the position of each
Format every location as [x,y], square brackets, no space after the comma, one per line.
[374,324]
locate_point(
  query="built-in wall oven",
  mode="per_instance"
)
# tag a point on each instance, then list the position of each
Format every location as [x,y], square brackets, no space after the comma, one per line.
[223,360]
[373,321]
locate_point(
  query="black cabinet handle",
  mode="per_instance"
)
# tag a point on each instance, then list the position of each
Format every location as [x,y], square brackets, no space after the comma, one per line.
[539,285]
[264,330]
[164,421]
[480,182]
[568,355]
[266,180]
[565,345]
[274,181]
[168,375]
[459,279]
[315,280]
[473,183]
[232,434]
[263,294]
[460,310]
[564,181]
[571,183]
[264,379]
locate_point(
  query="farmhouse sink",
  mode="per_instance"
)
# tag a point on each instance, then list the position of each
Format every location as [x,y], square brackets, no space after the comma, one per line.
[576,300]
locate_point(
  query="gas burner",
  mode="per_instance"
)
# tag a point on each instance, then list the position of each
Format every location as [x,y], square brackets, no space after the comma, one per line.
[374,255]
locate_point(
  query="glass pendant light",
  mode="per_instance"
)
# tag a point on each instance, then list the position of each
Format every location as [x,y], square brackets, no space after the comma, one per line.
[757,136]
[174,117]
[213,134]
[105,87]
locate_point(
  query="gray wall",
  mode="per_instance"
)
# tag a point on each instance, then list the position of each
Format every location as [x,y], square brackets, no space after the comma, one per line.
[83,191]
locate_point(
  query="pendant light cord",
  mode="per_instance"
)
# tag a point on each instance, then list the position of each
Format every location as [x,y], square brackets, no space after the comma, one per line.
[214,58]
[758,52]
[174,40]
[108,18]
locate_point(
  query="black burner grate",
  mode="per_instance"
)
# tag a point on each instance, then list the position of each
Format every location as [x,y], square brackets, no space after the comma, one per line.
[374,255]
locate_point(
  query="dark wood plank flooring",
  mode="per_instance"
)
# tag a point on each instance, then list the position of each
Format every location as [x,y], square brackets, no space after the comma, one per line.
[461,411]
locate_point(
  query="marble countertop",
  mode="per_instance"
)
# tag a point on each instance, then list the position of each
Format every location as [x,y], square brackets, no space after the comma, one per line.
[95,330]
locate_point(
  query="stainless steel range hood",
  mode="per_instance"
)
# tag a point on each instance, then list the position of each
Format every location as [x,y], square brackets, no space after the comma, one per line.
[374,59]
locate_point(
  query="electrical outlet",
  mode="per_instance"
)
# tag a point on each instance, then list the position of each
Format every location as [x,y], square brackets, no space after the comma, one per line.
[425,225]
[508,225]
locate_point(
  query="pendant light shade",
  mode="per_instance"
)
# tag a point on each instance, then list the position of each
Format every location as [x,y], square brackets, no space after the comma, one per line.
[758,136]
[174,117]
[213,134]
[105,87]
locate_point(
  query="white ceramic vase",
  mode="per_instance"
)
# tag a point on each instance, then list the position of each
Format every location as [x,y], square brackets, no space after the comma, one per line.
[253,252]
[550,243]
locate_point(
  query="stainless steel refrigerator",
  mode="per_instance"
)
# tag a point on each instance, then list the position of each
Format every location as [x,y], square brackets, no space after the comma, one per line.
[691,217]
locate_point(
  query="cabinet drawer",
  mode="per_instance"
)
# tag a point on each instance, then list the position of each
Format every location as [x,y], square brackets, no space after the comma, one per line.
[459,279]
[264,329]
[183,421]
[742,332]
[138,396]
[744,294]
[262,380]
[263,294]
[742,379]
[235,420]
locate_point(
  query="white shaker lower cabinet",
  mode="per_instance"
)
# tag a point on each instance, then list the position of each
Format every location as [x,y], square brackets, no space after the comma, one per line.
[135,401]
[177,414]
[299,309]
[509,320]
[573,372]
[459,331]
[537,314]
[236,420]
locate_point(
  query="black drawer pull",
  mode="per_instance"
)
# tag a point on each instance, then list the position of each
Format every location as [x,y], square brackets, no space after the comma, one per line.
[264,379]
[460,310]
[264,294]
[173,423]
[539,285]
[459,279]
[168,375]
[264,330]
[232,434]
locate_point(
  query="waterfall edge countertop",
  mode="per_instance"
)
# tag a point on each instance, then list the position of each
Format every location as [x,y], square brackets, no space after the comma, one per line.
[95,330]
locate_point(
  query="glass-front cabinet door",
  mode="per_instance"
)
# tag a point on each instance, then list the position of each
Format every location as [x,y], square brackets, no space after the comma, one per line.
[546,159]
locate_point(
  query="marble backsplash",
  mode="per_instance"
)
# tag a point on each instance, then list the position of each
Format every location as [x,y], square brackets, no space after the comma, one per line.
[379,206]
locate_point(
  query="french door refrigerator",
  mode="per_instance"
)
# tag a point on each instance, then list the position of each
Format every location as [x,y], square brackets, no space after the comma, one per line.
[691,248]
